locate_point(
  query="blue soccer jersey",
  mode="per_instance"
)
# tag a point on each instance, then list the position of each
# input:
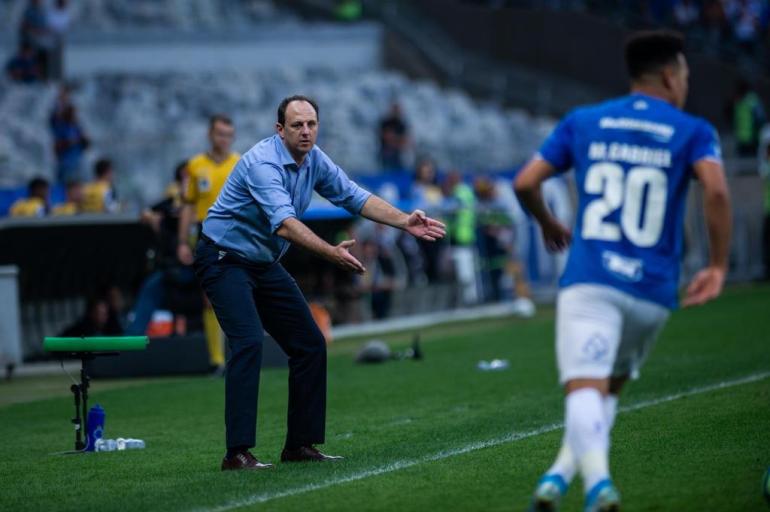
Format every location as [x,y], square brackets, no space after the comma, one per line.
[633,159]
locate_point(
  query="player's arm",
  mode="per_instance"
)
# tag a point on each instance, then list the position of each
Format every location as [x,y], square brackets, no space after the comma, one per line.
[296,232]
[528,188]
[417,223]
[707,284]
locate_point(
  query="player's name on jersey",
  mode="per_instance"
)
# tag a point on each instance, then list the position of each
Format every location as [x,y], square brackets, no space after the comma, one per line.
[629,153]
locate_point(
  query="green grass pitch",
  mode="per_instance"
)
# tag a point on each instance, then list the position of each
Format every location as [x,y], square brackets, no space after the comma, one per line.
[430,435]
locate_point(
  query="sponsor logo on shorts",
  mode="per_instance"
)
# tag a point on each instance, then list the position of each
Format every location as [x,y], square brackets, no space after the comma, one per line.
[596,348]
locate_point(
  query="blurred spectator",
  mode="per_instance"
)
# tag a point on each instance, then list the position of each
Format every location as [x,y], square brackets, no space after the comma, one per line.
[74,200]
[99,195]
[764,172]
[426,195]
[503,274]
[63,100]
[748,118]
[69,139]
[495,238]
[116,306]
[23,67]
[394,139]
[34,32]
[160,288]
[96,321]
[348,10]
[686,13]
[378,282]
[36,204]
[744,17]
[715,21]
[460,211]
[58,21]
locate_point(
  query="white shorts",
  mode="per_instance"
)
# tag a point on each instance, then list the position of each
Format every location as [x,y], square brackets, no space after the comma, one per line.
[602,332]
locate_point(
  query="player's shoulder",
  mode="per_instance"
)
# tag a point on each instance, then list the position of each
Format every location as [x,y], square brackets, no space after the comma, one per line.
[196,162]
[197,159]
[696,123]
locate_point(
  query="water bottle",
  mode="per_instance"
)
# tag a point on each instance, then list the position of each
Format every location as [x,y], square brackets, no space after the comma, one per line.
[134,444]
[96,417]
[129,444]
[493,366]
[105,445]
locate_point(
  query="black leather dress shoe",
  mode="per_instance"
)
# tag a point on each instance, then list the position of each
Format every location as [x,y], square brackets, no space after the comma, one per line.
[305,454]
[243,460]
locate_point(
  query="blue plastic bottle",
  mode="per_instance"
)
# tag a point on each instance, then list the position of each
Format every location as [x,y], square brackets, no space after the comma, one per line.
[96,418]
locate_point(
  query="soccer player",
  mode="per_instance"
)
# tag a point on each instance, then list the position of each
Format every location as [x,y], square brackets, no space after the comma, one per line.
[207,173]
[634,157]
[245,234]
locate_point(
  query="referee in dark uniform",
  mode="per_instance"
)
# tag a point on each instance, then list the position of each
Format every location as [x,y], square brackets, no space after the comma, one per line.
[245,234]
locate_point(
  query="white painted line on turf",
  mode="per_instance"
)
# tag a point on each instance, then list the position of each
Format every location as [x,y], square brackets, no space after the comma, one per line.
[472,447]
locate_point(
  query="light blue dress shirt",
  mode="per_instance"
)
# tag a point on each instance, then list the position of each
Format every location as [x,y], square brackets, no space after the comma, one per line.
[267,187]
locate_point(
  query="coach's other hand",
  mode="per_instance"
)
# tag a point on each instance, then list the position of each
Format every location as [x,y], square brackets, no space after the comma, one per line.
[421,226]
[705,286]
[184,254]
[341,257]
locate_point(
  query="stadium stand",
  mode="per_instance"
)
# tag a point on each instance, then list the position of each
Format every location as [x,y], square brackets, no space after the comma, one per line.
[164,116]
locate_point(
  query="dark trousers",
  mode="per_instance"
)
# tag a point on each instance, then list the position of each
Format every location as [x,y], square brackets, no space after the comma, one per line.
[247,298]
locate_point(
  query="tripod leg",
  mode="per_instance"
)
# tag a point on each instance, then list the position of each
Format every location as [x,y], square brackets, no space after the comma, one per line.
[84,392]
[75,388]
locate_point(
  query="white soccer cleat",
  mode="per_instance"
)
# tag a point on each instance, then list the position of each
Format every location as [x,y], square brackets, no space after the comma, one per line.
[523,307]
[548,494]
[603,497]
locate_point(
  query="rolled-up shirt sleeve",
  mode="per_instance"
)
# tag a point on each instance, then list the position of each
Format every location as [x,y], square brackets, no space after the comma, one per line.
[334,185]
[266,187]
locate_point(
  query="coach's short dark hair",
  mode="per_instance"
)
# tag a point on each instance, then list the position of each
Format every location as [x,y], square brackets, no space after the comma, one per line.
[296,97]
[102,167]
[219,118]
[648,51]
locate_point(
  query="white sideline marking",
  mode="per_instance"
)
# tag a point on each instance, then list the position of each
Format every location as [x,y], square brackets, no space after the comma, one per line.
[479,445]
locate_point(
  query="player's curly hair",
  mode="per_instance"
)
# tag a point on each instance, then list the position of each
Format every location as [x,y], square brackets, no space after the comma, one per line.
[649,50]
[297,97]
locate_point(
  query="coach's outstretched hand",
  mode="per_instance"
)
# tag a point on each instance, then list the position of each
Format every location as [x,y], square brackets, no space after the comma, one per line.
[342,257]
[421,226]
[705,286]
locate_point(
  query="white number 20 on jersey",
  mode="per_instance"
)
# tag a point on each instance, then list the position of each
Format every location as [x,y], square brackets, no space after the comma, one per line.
[626,191]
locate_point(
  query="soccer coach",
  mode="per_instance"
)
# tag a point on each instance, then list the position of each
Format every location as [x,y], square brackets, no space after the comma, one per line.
[237,260]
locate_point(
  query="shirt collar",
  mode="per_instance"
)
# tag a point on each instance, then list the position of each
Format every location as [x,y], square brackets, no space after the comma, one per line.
[283,153]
